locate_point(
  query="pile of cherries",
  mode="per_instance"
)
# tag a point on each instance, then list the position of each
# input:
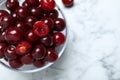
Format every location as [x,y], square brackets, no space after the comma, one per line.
[30,32]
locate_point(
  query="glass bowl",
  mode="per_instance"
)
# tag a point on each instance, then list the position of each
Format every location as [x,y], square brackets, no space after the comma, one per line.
[31,68]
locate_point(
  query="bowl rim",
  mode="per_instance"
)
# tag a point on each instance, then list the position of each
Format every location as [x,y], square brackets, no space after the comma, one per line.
[48,64]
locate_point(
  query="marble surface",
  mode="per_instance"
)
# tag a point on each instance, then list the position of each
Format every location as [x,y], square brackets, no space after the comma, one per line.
[93,52]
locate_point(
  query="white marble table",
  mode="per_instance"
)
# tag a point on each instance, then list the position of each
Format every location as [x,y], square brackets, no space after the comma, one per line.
[93,52]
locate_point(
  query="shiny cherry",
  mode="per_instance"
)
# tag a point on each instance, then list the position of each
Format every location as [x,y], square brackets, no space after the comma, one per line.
[12,4]
[59,24]
[13,35]
[2,37]
[30,20]
[52,55]
[39,51]
[48,4]
[23,48]
[32,3]
[31,36]
[58,38]
[53,14]
[22,26]
[10,52]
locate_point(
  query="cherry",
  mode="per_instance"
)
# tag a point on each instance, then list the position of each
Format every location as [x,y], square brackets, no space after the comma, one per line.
[21,13]
[39,63]
[10,52]
[2,48]
[12,4]
[68,3]
[36,12]
[52,55]
[30,20]
[31,36]
[49,22]
[14,15]
[39,51]
[59,24]
[16,63]
[58,38]
[47,41]
[41,29]
[53,14]
[32,3]
[3,12]
[2,37]
[48,4]
[27,59]
[6,21]
[25,4]
[23,48]
[13,35]
[22,26]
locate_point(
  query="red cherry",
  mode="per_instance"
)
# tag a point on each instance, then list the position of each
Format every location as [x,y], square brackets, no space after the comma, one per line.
[53,14]
[12,4]
[39,51]
[39,63]
[48,4]
[31,36]
[3,12]
[58,38]
[2,37]
[52,55]
[59,24]
[68,3]
[13,35]
[32,3]
[15,63]
[23,48]
[41,29]
[27,59]
[10,52]
[49,22]
[2,48]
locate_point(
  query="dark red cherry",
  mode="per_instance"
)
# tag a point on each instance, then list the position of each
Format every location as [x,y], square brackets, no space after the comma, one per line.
[68,3]
[39,51]
[13,35]
[47,41]
[30,20]
[41,29]
[3,12]
[23,48]
[48,4]
[6,21]
[59,24]
[22,13]
[22,26]
[15,63]
[39,63]
[31,36]
[14,15]
[36,12]
[2,37]
[25,4]
[12,4]
[52,55]
[27,59]
[10,52]
[53,14]
[2,48]
[32,3]
[49,22]
[58,38]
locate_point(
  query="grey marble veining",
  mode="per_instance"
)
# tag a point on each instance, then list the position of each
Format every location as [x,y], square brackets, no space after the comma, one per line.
[93,51]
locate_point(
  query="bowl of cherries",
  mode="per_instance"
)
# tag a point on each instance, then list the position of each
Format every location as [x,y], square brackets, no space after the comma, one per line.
[33,34]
